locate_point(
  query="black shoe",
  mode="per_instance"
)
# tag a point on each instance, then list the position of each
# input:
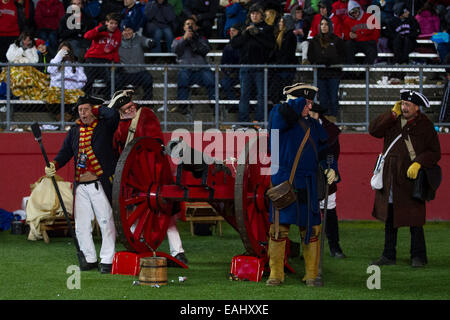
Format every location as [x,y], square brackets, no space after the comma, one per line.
[181,257]
[337,253]
[417,263]
[105,268]
[382,261]
[85,266]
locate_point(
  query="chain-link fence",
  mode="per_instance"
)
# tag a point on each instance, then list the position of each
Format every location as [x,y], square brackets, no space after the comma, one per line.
[221,96]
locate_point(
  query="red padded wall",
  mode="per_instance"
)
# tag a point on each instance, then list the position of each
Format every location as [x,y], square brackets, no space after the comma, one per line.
[21,164]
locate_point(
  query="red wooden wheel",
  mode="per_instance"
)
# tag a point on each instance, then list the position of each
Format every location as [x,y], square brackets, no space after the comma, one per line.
[251,205]
[141,217]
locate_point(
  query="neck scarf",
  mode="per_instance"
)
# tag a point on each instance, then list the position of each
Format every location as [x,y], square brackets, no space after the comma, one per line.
[84,146]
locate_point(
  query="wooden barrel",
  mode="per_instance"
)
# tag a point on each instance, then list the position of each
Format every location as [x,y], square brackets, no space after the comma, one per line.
[153,271]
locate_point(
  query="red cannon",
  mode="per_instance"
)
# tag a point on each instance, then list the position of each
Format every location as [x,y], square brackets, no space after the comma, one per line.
[146,192]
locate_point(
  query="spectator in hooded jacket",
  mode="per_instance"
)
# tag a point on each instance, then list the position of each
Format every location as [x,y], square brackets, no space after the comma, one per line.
[105,42]
[324,11]
[284,54]
[75,34]
[48,13]
[361,35]
[133,15]
[326,48]
[255,43]
[203,12]
[404,30]
[161,21]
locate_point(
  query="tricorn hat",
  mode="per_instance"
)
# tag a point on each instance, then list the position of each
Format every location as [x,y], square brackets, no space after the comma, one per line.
[121,98]
[87,99]
[415,97]
[301,90]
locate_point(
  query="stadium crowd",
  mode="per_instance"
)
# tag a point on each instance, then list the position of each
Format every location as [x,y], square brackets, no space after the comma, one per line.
[101,31]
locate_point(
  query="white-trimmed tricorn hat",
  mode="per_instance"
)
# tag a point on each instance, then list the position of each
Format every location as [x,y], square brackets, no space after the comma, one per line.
[415,97]
[301,90]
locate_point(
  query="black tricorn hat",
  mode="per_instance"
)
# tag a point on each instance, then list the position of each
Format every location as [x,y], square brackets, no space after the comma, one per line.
[93,101]
[301,90]
[121,98]
[415,97]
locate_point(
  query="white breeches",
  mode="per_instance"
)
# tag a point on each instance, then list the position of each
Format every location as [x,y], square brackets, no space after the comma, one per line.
[173,237]
[331,202]
[91,202]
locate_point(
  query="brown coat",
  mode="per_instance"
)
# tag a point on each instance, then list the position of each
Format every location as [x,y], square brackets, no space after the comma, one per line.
[407,211]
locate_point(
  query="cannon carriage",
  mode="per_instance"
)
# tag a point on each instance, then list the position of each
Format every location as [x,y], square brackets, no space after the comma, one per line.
[151,180]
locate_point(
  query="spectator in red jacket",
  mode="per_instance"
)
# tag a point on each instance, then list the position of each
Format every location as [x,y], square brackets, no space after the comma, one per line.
[47,15]
[361,33]
[339,10]
[105,42]
[9,26]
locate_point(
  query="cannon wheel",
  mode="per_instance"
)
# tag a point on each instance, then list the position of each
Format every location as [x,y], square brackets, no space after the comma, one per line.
[141,223]
[251,206]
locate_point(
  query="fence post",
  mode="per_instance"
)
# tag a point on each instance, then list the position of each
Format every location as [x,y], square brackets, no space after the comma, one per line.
[367,97]
[266,71]
[8,98]
[421,79]
[61,109]
[166,69]
[216,94]
[113,81]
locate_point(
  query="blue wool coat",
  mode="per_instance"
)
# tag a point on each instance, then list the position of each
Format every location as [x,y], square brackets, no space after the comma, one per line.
[303,214]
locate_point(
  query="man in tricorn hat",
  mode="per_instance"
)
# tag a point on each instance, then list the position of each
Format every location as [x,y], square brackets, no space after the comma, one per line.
[137,121]
[89,142]
[418,147]
[291,120]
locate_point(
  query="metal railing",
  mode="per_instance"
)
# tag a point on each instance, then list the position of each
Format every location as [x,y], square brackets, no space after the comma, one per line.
[358,78]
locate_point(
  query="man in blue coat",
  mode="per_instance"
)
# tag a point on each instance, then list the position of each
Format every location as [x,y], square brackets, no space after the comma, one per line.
[290,121]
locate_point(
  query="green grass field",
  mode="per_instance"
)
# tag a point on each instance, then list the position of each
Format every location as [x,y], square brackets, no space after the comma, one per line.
[37,271]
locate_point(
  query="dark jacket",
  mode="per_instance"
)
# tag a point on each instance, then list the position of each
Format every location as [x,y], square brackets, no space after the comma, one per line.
[332,54]
[102,140]
[133,17]
[66,33]
[256,48]
[408,27]
[109,6]
[407,211]
[230,56]
[162,15]
[204,10]
[286,53]
[334,146]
